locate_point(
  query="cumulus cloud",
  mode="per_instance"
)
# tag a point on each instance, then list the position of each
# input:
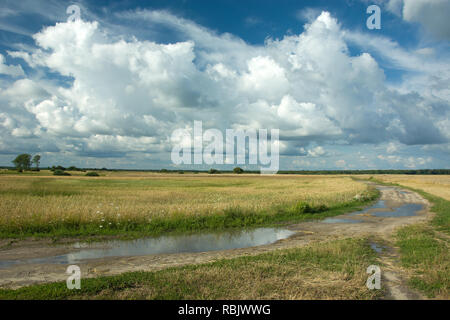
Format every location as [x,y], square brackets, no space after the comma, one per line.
[128,95]
[408,162]
[317,152]
[431,14]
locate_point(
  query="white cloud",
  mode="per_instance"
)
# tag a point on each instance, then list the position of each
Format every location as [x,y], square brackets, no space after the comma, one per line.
[317,152]
[14,71]
[395,6]
[408,162]
[392,147]
[432,14]
[341,163]
[128,95]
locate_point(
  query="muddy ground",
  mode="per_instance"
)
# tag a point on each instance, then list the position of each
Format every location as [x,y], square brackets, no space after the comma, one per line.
[380,229]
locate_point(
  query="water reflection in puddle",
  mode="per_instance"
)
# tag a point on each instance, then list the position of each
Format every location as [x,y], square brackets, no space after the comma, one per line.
[164,244]
[406,210]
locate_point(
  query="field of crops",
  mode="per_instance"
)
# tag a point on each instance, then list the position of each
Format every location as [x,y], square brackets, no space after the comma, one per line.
[36,204]
[438,185]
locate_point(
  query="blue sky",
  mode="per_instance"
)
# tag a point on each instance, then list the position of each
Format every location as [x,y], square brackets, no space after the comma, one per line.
[110,89]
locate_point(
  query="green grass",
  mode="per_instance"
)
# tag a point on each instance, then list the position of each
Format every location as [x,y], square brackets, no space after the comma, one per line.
[428,258]
[332,270]
[233,218]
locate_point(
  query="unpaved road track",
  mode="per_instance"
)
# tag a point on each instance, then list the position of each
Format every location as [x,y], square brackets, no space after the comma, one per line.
[380,229]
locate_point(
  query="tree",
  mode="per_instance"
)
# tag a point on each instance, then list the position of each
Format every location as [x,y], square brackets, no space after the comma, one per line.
[22,162]
[238,170]
[60,173]
[36,161]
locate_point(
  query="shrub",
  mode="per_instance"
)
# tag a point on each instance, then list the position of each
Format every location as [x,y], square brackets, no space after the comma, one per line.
[92,174]
[302,207]
[321,208]
[213,171]
[238,170]
[58,172]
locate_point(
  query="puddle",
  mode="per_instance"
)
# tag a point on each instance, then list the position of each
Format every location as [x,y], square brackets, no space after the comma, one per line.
[379,205]
[163,244]
[337,220]
[407,210]
[376,247]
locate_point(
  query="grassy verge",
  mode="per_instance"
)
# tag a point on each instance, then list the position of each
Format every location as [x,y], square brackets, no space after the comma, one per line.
[232,218]
[331,270]
[424,248]
[427,256]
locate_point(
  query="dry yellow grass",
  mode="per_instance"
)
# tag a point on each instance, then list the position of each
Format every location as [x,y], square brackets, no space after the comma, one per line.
[124,196]
[438,185]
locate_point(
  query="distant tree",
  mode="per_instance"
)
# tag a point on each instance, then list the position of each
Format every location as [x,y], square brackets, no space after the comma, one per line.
[92,174]
[22,162]
[58,172]
[238,170]
[37,160]
[163,171]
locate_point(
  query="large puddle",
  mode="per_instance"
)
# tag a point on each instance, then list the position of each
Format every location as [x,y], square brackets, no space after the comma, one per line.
[163,244]
[380,209]
[406,210]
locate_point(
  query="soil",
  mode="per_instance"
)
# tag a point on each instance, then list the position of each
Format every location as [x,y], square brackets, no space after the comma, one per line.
[380,228]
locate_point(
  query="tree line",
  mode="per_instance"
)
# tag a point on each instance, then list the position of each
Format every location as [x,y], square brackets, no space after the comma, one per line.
[25,161]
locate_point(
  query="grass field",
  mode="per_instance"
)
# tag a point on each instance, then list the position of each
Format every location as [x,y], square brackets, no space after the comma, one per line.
[327,270]
[438,185]
[155,203]
[332,270]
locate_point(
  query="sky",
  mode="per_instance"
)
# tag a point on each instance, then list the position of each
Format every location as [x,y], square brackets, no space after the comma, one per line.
[110,88]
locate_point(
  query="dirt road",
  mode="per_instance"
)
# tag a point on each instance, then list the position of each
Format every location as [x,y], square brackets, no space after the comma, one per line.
[376,223]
